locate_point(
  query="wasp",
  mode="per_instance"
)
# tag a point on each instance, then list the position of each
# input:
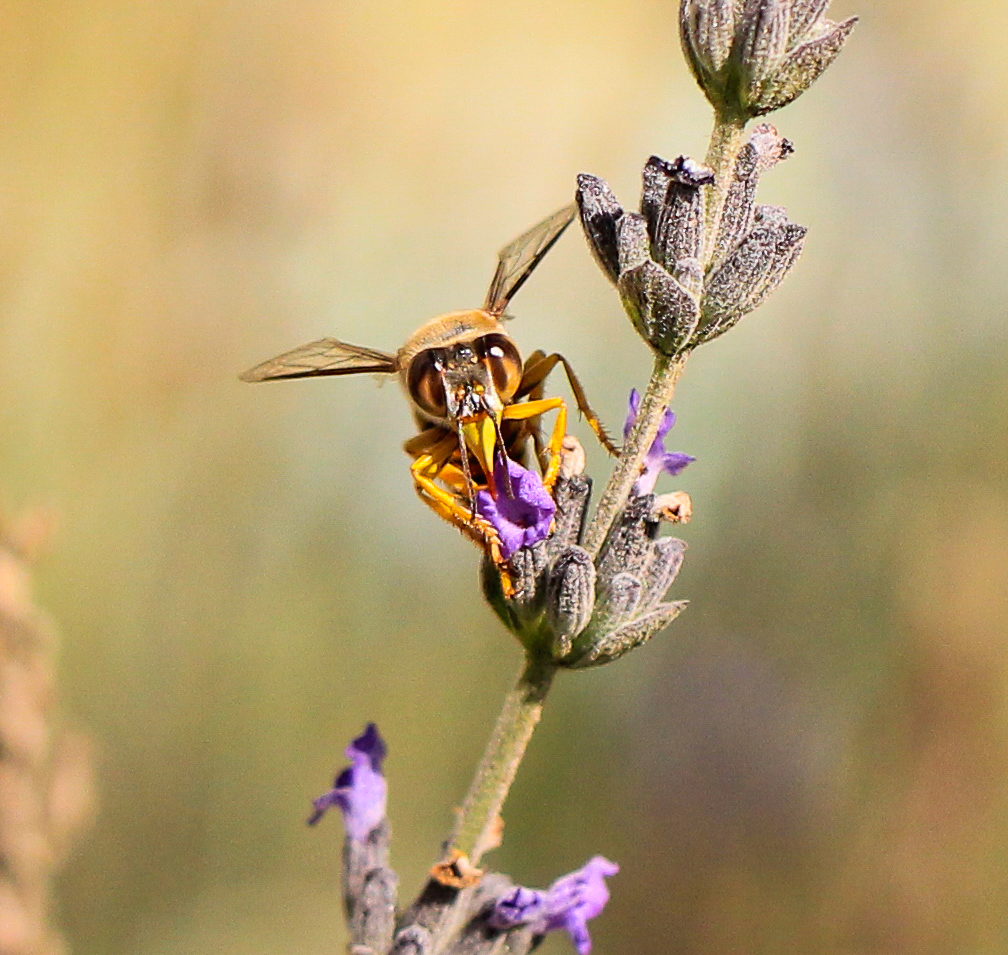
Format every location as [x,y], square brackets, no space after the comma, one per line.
[472,395]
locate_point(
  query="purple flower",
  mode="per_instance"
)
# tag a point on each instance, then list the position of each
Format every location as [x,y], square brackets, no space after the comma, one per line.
[658,459]
[568,904]
[360,790]
[522,512]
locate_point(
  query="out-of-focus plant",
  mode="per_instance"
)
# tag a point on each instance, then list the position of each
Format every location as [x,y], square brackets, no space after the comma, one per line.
[45,776]
[697,256]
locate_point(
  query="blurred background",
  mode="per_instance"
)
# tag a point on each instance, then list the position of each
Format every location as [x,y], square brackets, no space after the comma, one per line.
[813,759]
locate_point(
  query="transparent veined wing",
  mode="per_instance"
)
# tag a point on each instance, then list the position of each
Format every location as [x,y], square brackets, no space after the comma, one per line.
[517,259]
[328,356]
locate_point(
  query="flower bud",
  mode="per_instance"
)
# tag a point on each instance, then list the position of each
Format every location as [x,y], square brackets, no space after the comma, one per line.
[654,257]
[754,56]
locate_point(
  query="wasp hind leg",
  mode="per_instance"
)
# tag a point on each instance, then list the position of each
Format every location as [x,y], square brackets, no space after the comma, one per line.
[532,410]
[537,369]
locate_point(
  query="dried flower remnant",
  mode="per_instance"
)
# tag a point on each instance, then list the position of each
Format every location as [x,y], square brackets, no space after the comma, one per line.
[658,460]
[360,790]
[569,904]
[654,257]
[522,512]
[754,56]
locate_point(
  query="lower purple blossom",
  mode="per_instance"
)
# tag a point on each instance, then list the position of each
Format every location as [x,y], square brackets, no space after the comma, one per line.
[569,903]
[658,459]
[522,512]
[360,791]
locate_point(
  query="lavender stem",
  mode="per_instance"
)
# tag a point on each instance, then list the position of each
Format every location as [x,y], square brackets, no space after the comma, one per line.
[522,709]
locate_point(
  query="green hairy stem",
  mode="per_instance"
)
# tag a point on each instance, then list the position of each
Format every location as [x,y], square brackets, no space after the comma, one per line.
[477,819]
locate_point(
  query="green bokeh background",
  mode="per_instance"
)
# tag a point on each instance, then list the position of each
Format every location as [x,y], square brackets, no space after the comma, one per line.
[813,759]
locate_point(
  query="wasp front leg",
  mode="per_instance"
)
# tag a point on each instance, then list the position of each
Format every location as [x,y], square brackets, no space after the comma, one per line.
[533,409]
[432,466]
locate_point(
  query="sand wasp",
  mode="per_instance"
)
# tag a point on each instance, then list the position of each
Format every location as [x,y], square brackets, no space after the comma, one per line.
[472,395]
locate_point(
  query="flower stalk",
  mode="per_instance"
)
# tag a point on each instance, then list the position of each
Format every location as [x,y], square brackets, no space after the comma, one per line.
[656,399]
[699,255]
[476,823]
[726,141]
[477,818]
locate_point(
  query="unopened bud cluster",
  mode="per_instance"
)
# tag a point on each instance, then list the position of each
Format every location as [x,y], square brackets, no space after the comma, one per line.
[580,612]
[655,257]
[754,56]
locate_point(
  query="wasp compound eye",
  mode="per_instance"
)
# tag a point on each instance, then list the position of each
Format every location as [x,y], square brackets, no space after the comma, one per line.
[425,384]
[503,361]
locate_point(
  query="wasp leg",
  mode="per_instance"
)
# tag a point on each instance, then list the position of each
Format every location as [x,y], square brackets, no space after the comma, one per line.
[534,393]
[477,529]
[432,466]
[532,409]
[426,440]
[538,367]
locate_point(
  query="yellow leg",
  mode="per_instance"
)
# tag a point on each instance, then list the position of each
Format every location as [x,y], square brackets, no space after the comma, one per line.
[424,440]
[432,466]
[538,366]
[532,409]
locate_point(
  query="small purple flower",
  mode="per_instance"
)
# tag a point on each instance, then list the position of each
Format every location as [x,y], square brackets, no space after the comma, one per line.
[658,459]
[360,791]
[568,903]
[522,512]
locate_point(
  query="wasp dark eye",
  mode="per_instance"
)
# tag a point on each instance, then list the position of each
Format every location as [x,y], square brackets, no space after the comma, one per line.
[425,385]
[501,357]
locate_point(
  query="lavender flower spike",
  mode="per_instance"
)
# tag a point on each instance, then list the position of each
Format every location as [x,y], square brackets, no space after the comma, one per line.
[658,459]
[522,512]
[360,791]
[569,903]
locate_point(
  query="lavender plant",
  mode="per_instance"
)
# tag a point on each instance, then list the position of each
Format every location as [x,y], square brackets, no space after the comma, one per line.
[698,256]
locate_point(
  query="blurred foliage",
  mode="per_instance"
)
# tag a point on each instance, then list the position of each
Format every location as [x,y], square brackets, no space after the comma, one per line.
[814,758]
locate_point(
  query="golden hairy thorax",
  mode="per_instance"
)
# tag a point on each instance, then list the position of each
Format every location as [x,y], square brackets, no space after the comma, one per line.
[447,330]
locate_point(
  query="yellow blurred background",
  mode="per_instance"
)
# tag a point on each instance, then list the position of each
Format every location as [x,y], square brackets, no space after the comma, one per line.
[814,758]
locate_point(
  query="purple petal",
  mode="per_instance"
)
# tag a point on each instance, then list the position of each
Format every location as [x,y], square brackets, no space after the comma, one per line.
[675,461]
[522,514]
[668,423]
[658,459]
[360,790]
[568,904]
[371,745]
[632,416]
[521,907]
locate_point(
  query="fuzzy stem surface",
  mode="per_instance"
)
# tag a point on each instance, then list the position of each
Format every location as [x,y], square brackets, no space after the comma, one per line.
[657,397]
[477,819]
[727,139]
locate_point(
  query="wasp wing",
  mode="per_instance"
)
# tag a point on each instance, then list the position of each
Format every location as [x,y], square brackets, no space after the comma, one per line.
[517,260]
[328,356]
